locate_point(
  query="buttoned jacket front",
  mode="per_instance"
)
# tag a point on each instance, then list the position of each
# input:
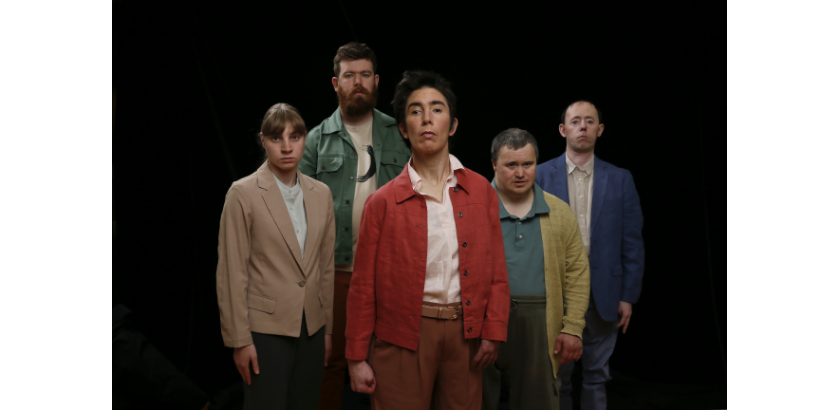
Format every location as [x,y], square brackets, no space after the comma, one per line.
[330,157]
[264,283]
[616,257]
[388,279]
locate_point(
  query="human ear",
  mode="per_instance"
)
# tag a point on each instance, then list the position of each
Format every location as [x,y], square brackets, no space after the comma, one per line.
[335,84]
[453,127]
[402,130]
[562,130]
[600,131]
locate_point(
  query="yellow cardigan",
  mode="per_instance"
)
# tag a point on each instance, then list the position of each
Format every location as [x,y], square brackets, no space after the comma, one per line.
[566,274]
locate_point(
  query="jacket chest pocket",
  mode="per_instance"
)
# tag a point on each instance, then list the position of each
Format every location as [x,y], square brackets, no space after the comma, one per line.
[328,169]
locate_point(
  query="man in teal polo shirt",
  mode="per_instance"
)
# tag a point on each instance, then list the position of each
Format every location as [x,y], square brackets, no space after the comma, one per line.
[548,276]
[354,152]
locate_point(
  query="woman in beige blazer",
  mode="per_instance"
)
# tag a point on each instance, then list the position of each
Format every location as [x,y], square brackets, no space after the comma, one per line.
[276,270]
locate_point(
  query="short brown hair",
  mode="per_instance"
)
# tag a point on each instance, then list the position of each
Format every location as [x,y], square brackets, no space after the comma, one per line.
[353,51]
[513,139]
[280,116]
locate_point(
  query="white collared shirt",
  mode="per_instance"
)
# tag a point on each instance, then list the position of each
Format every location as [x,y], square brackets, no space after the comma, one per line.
[442,282]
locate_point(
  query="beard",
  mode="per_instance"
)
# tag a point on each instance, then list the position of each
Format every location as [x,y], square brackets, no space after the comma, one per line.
[358,105]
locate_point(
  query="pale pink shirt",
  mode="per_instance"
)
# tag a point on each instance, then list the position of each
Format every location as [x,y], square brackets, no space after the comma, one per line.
[442,282]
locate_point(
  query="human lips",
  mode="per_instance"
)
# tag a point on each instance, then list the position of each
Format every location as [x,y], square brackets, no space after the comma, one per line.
[428,134]
[287,159]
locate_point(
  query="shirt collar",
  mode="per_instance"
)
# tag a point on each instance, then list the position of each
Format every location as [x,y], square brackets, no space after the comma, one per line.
[283,186]
[540,206]
[416,180]
[587,168]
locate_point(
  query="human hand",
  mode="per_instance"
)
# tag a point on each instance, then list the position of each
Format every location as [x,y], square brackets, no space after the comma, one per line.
[362,378]
[486,354]
[571,347]
[327,350]
[625,312]
[243,357]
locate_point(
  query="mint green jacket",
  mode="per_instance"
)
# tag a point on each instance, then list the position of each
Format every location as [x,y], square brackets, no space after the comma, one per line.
[330,157]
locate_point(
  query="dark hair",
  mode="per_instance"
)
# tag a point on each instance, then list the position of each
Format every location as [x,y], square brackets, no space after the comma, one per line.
[599,114]
[353,51]
[415,80]
[513,138]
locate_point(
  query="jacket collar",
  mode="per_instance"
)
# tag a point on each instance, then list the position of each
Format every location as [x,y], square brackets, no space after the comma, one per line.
[335,124]
[405,190]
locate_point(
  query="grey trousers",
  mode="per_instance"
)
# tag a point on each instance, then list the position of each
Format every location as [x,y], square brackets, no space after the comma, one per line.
[524,361]
[290,371]
[599,338]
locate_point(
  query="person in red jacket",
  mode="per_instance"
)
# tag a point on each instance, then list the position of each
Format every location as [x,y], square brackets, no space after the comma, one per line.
[430,281]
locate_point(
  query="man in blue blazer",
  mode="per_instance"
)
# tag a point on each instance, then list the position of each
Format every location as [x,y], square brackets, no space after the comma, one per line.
[608,211]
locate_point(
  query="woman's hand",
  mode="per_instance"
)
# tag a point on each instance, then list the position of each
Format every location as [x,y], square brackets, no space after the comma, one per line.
[243,357]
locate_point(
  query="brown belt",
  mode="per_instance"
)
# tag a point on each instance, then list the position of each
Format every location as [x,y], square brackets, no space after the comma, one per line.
[442,312]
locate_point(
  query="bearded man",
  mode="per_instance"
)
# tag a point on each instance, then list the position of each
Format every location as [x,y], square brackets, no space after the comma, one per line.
[354,152]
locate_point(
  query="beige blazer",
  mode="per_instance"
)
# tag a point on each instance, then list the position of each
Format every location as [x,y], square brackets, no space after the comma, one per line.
[264,283]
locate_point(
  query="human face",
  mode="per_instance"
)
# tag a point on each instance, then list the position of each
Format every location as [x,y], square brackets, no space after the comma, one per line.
[284,151]
[582,127]
[427,120]
[515,171]
[357,87]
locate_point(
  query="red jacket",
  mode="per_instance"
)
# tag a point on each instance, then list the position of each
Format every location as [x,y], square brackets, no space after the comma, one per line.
[388,278]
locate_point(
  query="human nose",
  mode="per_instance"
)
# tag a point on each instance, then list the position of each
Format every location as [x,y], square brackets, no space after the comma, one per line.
[285,145]
[426,116]
[519,172]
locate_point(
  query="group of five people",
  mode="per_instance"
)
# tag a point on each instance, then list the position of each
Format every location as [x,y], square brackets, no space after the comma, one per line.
[364,246]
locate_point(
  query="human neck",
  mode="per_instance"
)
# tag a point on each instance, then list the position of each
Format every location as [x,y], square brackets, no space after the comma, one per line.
[434,167]
[579,158]
[288,178]
[355,121]
[518,205]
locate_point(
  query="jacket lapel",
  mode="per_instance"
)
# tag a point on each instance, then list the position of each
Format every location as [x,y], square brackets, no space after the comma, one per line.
[560,178]
[312,223]
[601,178]
[279,212]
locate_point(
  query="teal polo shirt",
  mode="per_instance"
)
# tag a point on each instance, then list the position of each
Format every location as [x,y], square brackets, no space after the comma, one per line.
[523,246]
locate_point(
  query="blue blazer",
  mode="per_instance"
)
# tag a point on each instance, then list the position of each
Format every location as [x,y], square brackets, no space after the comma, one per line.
[617,248]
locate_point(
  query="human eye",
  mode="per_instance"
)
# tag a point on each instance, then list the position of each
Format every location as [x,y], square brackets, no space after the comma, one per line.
[415,112]
[275,138]
[438,110]
[366,75]
[295,137]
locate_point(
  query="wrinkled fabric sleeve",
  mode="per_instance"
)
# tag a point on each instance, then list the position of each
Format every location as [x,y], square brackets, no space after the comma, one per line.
[327,263]
[234,245]
[498,305]
[361,300]
[632,245]
[577,286]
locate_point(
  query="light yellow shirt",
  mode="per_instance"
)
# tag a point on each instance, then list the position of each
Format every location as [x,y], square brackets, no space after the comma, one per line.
[442,282]
[580,184]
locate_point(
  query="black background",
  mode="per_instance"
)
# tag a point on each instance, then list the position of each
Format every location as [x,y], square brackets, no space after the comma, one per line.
[192,81]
